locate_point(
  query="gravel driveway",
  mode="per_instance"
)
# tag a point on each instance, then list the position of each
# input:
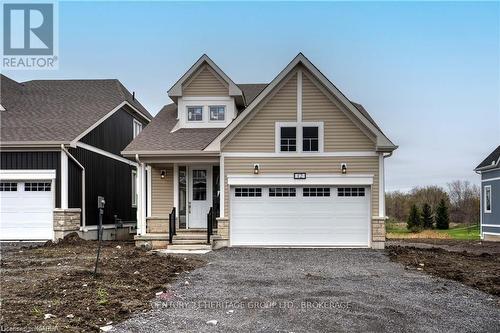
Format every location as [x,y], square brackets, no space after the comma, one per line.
[315,290]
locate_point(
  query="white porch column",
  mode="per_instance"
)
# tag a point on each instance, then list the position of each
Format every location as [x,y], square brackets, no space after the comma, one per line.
[149,188]
[381,186]
[176,189]
[64,180]
[141,199]
[222,186]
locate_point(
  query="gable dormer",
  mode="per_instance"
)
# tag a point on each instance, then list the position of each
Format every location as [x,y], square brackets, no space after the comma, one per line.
[206,97]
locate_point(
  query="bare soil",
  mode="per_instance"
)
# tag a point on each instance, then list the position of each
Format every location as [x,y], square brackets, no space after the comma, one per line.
[471,263]
[57,279]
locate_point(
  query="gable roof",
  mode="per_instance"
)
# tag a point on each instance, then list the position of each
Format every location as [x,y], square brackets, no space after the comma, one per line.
[382,142]
[490,162]
[58,111]
[176,90]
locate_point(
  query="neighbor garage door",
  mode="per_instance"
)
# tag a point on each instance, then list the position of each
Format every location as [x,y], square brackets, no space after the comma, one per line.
[26,209]
[300,216]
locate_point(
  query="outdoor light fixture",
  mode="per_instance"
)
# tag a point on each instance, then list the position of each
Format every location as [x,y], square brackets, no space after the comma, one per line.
[163,174]
[343,167]
[255,169]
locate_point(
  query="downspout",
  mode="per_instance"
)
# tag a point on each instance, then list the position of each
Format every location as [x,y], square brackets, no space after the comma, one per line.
[83,181]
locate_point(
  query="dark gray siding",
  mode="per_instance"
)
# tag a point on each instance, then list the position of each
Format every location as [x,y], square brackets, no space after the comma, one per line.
[492,218]
[106,177]
[113,134]
[31,160]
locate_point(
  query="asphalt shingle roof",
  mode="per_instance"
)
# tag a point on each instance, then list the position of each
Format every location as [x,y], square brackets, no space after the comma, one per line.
[492,159]
[57,110]
[157,136]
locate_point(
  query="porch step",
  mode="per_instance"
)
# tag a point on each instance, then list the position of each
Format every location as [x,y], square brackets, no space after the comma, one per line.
[197,236]
[189,247]
[186,241]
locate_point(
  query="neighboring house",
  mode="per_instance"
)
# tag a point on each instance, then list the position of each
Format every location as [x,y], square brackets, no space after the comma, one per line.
[60,147]
[490,196]
[289,163]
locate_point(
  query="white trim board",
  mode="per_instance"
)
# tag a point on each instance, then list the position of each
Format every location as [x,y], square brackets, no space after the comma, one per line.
[33,174]
[490,179]
[100,121]
[491,225]
[491,233]
[105,153]
[287,179]
[304,154]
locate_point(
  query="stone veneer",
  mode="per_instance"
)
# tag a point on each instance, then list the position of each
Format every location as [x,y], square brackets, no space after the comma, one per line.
[66,221]
[378,232]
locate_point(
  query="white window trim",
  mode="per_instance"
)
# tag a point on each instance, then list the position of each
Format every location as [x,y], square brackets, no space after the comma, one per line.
[202,113]
[216,120]
[136,124]
[299,126]
[134,185]
[486,189]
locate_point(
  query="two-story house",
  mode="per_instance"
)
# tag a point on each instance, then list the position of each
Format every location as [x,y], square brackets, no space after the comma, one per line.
[60,144]
[290,163]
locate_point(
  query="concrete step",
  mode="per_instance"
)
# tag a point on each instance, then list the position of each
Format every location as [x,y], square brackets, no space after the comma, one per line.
[188,241]
[189,247]
[184,236]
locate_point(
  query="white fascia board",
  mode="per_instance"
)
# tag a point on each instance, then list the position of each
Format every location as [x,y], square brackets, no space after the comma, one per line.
[105,153]
[490,179]
[33,144]
[176,90]
[195,153]
[287,179]
[27,174]
[383,143]
[100,121]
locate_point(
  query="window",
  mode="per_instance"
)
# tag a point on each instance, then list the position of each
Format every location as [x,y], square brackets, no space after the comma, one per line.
[137,127]
[199,185]
[351,192]
[195,113]
[134,188]
[487,199]
[310,138]
[288,139]
[8,187]
[316,192]
[37,187]
[282,191]
[217,113]
[248,192]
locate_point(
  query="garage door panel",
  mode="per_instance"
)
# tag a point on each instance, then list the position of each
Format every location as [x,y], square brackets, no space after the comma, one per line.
[299,220]
[26,215]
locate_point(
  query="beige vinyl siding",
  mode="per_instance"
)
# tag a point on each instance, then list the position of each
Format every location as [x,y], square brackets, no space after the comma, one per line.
[289,165]
[162,192]
[205,83]
[258,134]
[340,133]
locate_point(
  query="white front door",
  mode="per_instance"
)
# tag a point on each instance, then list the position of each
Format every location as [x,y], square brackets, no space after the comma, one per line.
[26,210]
[200,196]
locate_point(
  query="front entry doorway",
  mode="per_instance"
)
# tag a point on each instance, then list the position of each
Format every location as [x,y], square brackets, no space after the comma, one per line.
[199,195]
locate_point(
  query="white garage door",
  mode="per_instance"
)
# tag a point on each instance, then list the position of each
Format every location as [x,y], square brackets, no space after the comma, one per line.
[26,209]
[300,216]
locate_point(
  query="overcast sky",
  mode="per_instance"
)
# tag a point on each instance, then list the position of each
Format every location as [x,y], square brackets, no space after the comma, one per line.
[429,73]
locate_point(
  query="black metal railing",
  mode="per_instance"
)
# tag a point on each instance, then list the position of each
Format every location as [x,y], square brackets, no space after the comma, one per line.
[210,223]
[171,226]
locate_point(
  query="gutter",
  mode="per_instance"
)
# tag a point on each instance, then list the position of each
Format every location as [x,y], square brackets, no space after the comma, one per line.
[83,181]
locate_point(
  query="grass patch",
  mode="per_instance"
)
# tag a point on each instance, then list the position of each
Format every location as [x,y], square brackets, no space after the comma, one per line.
[458,232]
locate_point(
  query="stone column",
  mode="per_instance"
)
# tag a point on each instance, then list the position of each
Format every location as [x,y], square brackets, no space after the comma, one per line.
[66,221]
[378,232]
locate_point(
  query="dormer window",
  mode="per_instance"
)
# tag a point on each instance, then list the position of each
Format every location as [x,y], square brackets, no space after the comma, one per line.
[137,127]
[217,112]
[195,113]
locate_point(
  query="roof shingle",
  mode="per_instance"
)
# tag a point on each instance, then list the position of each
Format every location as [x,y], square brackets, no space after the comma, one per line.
[491,160]
[57,110]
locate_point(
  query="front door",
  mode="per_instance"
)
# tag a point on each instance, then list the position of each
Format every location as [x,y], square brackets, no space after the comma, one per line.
[200,196]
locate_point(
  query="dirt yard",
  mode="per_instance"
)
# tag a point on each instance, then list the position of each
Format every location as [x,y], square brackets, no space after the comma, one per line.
[473,263]
[52,288]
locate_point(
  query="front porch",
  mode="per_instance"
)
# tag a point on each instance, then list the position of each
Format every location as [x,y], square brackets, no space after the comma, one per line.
[179,205]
